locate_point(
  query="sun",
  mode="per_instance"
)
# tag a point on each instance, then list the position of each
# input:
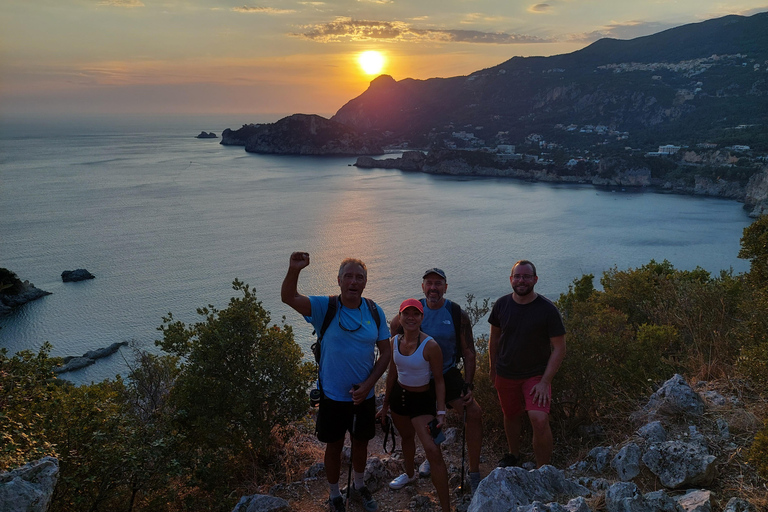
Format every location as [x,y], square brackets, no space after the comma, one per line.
[371,62]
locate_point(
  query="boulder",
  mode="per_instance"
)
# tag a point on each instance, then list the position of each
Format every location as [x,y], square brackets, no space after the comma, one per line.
[627,462]
[738,505]
[625,497]
[675,397]
[695,501]
[261,503]
[70,276]
[508,488]
[679,464]
[30,487]
[596,461]
[653,432]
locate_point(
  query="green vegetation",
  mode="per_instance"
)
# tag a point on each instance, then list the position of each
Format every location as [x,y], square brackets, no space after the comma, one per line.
[191,429]
[222,411]
[10,284]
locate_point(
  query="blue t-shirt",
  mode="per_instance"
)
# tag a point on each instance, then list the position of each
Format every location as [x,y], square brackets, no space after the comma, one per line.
[438,323]
[347,356]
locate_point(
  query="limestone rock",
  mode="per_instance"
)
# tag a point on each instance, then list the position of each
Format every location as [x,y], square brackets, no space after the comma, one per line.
[261,503]
[695,501]
[27,293]
[625,497]
[72,363]
[738,505]
[627,462]
[70,276]
[30,487]
[508,488]
[679,464]
[653,432]
[675,397]
[206,135]
[596,460]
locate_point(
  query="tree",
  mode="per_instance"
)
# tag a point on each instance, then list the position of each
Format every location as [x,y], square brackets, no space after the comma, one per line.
[754,247]
[239,377]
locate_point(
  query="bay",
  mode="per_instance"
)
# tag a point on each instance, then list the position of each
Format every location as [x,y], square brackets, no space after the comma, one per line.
[166,222]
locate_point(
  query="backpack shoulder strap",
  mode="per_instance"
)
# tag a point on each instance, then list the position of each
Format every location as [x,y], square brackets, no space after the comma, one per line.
[332,301]
[374,312]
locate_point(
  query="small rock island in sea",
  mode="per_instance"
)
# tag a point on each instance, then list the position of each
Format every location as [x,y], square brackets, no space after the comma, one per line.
[207,135]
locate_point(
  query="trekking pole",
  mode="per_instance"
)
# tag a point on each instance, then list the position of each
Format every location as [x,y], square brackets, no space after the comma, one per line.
[351,449]
[463,441]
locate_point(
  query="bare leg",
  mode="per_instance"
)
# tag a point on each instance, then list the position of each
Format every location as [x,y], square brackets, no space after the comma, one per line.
[333,461]
[407,440]
[359,454]
[513,428]
[474,431]
[542,437]
[436,462]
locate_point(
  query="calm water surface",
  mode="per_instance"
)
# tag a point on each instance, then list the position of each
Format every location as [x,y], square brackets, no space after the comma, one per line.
[166,222]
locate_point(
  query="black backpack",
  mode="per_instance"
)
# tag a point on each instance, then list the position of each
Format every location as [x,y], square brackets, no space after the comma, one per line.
[332,305]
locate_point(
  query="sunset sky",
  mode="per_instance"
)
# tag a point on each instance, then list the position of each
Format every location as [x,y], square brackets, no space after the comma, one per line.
[282,57]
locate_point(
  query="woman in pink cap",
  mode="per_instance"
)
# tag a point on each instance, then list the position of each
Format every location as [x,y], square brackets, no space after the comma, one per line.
[416,357]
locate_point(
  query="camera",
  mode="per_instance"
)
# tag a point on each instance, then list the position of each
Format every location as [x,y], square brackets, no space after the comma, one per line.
[314,397]
[437,433]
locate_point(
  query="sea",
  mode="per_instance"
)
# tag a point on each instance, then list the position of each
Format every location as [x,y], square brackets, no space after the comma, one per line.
[166,222]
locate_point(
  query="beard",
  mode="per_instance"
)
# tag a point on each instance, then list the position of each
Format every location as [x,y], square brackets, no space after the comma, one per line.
[523,289]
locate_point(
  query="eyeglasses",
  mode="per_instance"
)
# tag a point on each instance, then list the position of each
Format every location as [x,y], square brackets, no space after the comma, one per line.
[523,277]
[344,328]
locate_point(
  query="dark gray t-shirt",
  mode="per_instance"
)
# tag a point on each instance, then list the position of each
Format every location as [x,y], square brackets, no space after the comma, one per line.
[524,346]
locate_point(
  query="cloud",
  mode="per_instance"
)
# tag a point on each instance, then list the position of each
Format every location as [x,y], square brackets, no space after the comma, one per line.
[265,10]
[623,30]
[540,8]
[396,31]
[122,3]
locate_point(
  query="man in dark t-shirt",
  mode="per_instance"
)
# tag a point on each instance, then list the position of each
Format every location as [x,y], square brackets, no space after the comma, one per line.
[526,348]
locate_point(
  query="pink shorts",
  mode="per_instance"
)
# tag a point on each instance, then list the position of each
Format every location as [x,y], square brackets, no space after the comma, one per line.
[515,395]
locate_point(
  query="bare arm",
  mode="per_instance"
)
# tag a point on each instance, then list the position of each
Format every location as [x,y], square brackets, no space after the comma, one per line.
[394,325]
[289,292]
[391,379]
[468,348]
[385,356]
[434,357]
[540,391]
[493,350]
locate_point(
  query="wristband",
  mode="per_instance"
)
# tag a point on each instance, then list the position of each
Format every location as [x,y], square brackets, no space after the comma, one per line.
[441,412]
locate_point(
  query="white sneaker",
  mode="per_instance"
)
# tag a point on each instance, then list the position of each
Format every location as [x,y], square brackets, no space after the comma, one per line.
[401,481]
[425,470]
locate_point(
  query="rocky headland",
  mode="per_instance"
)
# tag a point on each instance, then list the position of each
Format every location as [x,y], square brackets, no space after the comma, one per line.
[18,295]
[754,194]
[302,134]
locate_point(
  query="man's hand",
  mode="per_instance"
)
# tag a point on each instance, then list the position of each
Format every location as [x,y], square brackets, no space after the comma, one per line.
[359,394]
[540,393]
[299,260]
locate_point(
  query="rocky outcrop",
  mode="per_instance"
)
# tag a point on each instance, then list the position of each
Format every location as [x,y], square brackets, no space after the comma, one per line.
[675,397]
[206,135]
[30,487]
[756,200]
[261,503]
[302,134]
[410,161]
[512,488]
[71,276]
[72,363]
[27,293]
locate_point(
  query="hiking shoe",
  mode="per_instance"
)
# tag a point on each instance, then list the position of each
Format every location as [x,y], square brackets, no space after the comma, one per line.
[401,481]
[508,460]
[425,470]
[364,495]
[337,504]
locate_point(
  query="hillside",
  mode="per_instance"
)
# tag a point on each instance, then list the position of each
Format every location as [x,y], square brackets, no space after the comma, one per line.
[677,86]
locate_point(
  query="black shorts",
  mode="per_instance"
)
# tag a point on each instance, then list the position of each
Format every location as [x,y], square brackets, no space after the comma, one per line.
[335,419]
[454,385]
[412,403]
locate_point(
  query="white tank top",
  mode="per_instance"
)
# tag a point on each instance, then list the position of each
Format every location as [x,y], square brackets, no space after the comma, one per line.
[413,370]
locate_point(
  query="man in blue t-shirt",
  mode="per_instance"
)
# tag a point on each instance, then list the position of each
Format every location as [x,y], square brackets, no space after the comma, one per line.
[439,323]
[526,347]
[348,369]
